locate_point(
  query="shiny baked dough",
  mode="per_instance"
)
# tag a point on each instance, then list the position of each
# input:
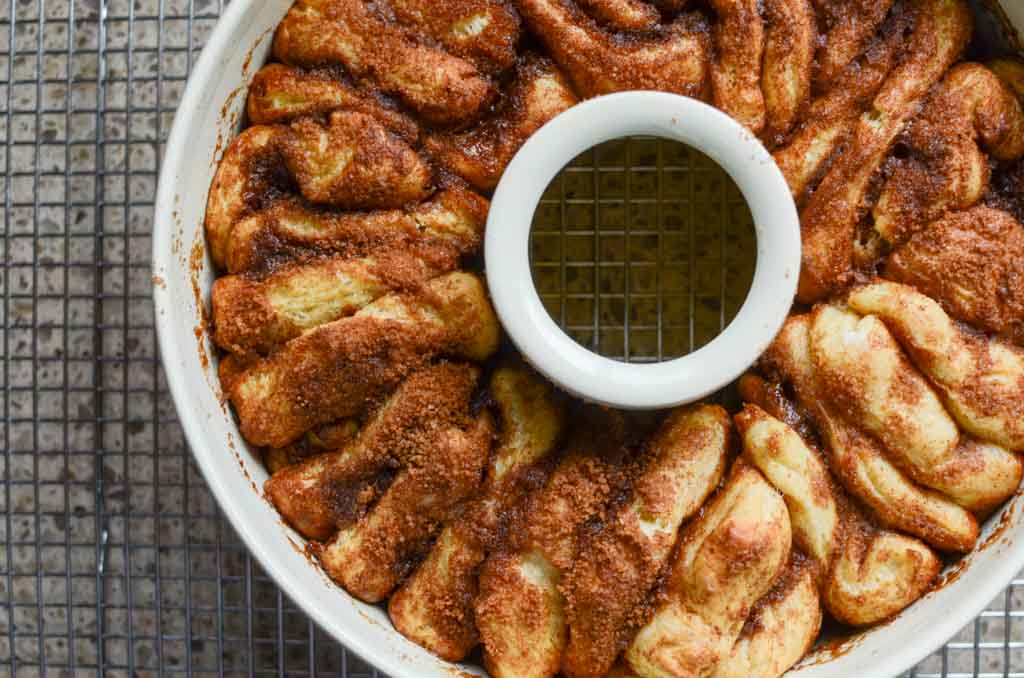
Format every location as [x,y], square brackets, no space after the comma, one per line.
[799,474]
[832,116]
[946,170]
[850,24]
[790,39]
[333,371]
[370,557]
[972,263]
[736,69]
[434,607]
[873,573]
[289,230]
[249,176]
[730,556]
[619,562]
[280,94]
[781,629]
[981,380]
[253,315]
[353,162]
[674,59]
[859,461]
[633,15]
[520,612]
[942,29]
[440,87]
[334,489]
[479,155]
[1011,72]
[484,32]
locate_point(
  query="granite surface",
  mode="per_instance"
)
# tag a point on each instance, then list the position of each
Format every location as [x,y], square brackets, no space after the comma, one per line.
[114,559]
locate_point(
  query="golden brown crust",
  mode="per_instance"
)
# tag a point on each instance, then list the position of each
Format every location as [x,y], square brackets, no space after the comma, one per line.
[876,575]
[629,15]
[371,557]
[972,263]
[790,38]
[849,25]
[728,558]
[942,28]
[252,316]
[484,32]
[620,558]
[288,230]
[945,169]
[479,155]
[859,462]
[520,611]
[249,177]
[781,628]
[981,380]
[335,370]
[832,116]
[281,94]
[873,574]
[435,607]
[353,162]
[440,87]
[736,69]
[334,489]
[675,59]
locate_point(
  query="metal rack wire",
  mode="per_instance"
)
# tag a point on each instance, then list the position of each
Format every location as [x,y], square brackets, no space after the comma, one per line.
[115,559]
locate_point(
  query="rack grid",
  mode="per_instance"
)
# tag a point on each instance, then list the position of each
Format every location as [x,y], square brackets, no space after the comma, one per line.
[115,559]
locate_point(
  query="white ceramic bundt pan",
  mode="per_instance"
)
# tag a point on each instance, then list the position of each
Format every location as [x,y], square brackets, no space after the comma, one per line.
[207,118]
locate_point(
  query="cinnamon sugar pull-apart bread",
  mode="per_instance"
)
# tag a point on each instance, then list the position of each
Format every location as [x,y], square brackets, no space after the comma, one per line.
[433,472]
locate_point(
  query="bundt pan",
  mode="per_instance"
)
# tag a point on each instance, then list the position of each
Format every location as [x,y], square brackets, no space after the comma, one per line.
[209,117]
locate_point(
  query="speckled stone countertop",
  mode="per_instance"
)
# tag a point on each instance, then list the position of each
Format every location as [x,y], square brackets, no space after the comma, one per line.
[114,559]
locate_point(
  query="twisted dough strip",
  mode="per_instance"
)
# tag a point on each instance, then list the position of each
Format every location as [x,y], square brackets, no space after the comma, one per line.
[833,115]
[479,155]
[850,25]
[790,36]
[673,60]
[252,316]
[333,371]
[866,575]
[484,32]
[632,15]
[871,381]
[332,490]
[789,465]
[942,29]
[972,263]
[946,170]
[353,162]
[444,89]
[761,75]
[781,629]
[520,611]
[369,558]
[729,558]
[981,380]
[859,462]
[619,562]
[434,607]
[736,69]
[316,441]
[288,230]
[280,94]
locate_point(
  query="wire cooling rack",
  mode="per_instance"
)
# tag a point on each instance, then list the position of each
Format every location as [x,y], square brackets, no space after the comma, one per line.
[115,559]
